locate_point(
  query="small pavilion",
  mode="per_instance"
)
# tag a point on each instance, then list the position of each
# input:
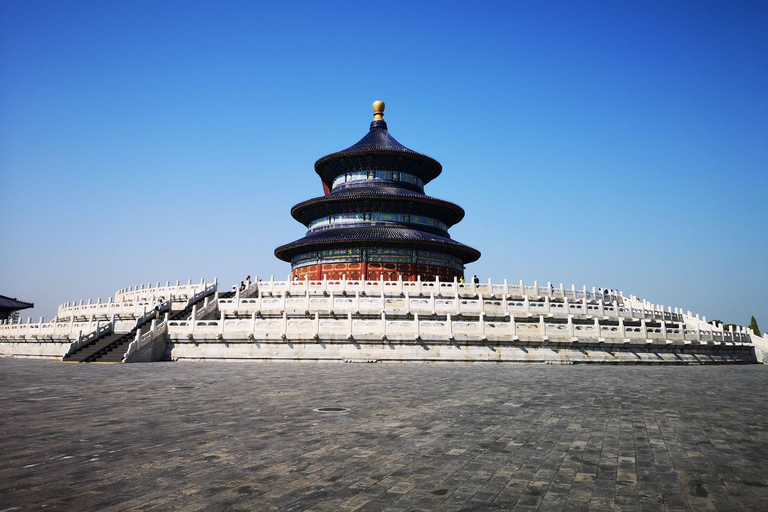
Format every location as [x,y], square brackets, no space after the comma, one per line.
[9,305]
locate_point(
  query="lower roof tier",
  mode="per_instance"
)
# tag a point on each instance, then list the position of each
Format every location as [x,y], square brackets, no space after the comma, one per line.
[379,198]
[376,236]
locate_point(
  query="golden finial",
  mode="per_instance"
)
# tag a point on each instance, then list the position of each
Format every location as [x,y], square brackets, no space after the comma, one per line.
[378,110]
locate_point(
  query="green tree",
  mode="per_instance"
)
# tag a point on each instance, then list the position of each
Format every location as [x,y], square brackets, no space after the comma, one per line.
[754,327]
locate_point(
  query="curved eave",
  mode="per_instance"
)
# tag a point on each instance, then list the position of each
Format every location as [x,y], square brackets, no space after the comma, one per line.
[392,237]
[334,203]
[414,163]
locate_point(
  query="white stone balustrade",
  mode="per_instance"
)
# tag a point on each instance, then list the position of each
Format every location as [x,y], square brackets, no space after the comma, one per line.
[448,328]
[127,309]
[42,330]
[132,303]
[207,308]
[487,289]
[391,301]
[151,293]
[142,345]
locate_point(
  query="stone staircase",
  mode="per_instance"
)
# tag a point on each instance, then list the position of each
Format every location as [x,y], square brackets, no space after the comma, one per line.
[112,348]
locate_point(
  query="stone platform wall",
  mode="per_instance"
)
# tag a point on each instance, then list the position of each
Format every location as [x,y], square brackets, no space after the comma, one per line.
[436,352]
[34,349]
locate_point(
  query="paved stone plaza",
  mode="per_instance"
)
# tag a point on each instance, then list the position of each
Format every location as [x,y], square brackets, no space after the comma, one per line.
[247,436]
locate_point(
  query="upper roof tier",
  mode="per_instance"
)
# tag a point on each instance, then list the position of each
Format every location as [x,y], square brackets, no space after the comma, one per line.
[378,150]
[380,198]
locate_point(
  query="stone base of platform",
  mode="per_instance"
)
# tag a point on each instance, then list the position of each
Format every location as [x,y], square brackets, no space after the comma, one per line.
[35,349]
[438,352]
[584,352]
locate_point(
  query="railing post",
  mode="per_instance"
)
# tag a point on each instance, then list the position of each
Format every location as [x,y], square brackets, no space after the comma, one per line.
[698,328]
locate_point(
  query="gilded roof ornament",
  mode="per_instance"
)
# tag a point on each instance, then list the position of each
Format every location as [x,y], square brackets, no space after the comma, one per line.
[378,110]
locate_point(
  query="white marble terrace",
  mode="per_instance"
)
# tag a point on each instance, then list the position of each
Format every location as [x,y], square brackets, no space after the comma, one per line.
[402,311]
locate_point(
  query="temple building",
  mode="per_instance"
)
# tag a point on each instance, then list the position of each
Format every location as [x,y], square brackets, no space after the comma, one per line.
[375,221]
[376,278]
[10,307]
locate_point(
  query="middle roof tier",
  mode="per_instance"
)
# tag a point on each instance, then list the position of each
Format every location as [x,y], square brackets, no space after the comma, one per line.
[380,198]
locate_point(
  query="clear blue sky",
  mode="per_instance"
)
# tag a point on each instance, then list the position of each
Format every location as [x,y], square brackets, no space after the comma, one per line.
[614,144]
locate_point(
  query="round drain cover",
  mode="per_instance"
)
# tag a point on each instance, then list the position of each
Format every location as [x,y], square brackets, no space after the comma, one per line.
[332,409]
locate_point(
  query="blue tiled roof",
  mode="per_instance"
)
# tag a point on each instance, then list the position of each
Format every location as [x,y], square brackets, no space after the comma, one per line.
[377,150]
[448,212]
[371,235]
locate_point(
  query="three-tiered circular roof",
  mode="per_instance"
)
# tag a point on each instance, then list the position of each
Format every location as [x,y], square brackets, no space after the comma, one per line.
[381,176]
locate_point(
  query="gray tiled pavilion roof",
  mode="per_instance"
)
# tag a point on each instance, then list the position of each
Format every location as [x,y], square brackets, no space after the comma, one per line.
[13,303]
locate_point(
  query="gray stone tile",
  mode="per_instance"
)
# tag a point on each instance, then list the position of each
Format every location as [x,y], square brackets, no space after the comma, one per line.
[232,436]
